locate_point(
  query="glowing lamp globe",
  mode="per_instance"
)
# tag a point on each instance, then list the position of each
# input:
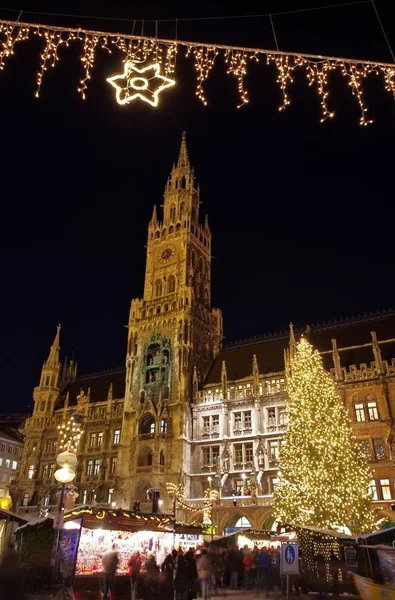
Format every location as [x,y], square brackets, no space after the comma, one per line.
[66,459]
[64,475]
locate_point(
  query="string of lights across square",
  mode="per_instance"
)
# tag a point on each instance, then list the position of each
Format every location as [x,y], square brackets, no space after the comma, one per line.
[149,64]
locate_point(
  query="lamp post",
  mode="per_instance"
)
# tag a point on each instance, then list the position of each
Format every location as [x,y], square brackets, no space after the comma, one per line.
[67,462]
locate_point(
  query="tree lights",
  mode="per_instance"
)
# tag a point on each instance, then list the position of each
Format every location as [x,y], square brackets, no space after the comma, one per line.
[69,435]
[324,476]
[157,58]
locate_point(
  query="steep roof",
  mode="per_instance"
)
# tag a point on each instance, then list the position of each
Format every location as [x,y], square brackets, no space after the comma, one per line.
[269,350]
[9,433]
[99,385]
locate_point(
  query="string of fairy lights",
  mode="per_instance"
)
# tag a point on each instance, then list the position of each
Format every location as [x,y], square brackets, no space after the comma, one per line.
[177,491]
[149,64]
[69,435]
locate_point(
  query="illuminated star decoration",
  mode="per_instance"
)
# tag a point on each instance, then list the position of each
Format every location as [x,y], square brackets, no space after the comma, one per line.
[140,83]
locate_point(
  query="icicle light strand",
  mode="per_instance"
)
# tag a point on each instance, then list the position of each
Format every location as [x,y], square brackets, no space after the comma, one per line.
[163,52]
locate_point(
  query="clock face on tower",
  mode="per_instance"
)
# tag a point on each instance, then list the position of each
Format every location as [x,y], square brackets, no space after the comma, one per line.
[166,254]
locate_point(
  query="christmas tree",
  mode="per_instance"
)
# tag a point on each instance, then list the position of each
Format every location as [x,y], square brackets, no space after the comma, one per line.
[324,476]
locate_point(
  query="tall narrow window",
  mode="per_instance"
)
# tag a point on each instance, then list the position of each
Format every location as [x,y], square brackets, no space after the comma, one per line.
[273,450]
[100,438]
[117,436]
[215,424]
[30,472]
[26,500]
[379,449]
[158,288]
[385,489]
[45,471]
[359,413]
[271,416]
[215,455]
[89,467]
[237,421]
[248,452]
[365,447]
[163,426]
[113,464]
[247,420]
[96,466]
[93,440]
[206,425]
[373,489]
[372,411]
[171,284]
[238,453]
[206,457]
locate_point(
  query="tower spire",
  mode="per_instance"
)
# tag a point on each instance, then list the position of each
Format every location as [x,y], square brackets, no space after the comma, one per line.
[292,341]
[53,356]
[183,160]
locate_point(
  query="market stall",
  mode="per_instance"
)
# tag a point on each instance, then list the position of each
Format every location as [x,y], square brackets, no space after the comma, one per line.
[251,538]
[91,530]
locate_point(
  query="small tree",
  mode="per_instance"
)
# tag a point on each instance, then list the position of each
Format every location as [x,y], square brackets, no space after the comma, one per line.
[324,475]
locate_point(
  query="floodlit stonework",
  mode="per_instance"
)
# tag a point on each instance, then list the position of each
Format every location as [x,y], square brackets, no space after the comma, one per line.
[185,409]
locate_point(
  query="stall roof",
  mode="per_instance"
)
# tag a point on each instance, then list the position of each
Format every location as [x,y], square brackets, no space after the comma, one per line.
[127,520]
[377,537]
[253,534]
[34,523]
[330,532]
[7,514]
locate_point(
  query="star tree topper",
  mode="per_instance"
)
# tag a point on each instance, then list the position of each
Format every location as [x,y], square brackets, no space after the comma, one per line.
[145,83]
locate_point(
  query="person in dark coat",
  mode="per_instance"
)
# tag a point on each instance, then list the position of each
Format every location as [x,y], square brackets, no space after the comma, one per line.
[12,577]
[181,578]
[192,574]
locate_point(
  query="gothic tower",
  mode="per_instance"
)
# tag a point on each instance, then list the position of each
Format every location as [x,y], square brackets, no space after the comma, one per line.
[173,336]
[45,396]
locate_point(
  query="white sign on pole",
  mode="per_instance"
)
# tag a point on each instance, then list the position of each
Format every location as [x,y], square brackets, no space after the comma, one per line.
[289,564]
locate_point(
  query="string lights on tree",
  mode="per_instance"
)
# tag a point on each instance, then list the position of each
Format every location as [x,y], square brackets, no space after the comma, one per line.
[69,435]
[324,475]
[149,64]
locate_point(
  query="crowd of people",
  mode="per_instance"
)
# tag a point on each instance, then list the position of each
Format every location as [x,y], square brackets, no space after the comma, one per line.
[196,573]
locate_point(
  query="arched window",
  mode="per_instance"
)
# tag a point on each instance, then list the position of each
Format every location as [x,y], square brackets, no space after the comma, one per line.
[143,314]
[145,457]
[171,229]
[151,312]
[174,306]
[163,426]
[165,308]
[183,183]
[172,213]
[171,284]
[147,424]
[201,265]
[178,226]
[193,258]
[158,310]
[162,459]
[164,232]
[158,288]
[156,235]
[182,209]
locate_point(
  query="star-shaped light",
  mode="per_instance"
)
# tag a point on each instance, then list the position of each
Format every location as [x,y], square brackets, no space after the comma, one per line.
[140,83]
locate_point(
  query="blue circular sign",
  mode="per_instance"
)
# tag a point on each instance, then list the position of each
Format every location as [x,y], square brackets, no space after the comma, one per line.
[290,555]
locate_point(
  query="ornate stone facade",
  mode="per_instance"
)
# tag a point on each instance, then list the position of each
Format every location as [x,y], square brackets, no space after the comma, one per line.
[184,410]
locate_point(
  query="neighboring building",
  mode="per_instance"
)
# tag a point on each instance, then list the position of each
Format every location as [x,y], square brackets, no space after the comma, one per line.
[11,446]
[186,411]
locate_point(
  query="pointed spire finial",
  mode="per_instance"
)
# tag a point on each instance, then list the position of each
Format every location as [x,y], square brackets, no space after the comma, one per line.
[292,342]
[255,375]
[53,356]
[154,218]
[224,380]
[183,160]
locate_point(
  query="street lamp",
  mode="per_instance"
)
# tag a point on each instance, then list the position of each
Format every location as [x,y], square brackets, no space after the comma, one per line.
[67,462]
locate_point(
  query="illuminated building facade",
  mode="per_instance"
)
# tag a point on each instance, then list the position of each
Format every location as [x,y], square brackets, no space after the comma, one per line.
[184,409]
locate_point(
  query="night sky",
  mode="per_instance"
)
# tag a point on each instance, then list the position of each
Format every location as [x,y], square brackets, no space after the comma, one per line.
[301,212]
